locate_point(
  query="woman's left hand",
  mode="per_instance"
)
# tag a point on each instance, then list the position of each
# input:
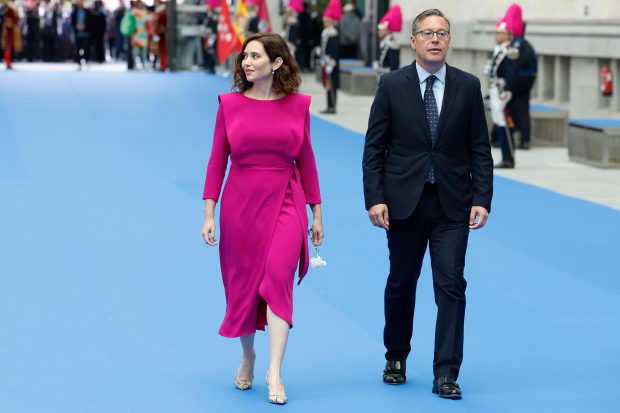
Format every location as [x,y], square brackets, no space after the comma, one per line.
[317,232]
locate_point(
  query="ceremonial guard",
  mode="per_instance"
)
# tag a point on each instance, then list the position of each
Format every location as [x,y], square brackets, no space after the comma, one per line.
[161,33]
[10,38]
[501,71]
[392,22]
[330,53]
[292,28]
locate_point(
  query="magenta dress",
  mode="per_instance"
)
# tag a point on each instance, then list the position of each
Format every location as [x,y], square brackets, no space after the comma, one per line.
[263,219]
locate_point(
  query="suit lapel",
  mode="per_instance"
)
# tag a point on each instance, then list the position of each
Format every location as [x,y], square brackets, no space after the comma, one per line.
[412,85]
[449,94]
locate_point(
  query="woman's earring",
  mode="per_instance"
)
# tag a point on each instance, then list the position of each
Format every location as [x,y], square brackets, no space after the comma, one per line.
[273,72]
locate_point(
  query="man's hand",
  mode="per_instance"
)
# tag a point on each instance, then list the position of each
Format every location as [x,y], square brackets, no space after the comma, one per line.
[379,216]
[478,217]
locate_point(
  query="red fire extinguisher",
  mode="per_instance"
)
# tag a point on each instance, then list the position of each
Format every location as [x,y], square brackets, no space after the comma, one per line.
[606,81]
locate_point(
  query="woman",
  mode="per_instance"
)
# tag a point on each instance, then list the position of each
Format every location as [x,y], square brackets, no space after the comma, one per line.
[265,129]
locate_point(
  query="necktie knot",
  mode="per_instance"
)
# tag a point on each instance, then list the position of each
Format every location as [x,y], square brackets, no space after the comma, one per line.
[430,80]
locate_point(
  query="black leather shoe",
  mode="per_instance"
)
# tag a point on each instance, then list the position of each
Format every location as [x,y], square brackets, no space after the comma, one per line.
[328,111]
[524,145]
[446,388]
[505,165]
[395,372]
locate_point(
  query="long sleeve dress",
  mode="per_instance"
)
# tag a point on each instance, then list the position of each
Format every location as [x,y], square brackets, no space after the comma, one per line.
[263,219]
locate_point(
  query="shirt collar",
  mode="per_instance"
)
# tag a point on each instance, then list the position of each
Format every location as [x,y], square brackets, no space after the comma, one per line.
[423,74]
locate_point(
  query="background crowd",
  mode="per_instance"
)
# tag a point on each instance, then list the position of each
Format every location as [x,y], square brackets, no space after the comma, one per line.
[318,33]
[82,31]
[99,31]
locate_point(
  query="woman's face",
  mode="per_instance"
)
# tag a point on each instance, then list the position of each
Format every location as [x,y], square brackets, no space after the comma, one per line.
[256,64]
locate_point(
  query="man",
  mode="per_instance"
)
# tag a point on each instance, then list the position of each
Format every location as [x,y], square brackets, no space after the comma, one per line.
[209,39]
[350,31]
[519,105]
[390,23]
[99,25]
[428,178]
[501,72]
[120,46]
[81,21]
[292,29]
[330,54]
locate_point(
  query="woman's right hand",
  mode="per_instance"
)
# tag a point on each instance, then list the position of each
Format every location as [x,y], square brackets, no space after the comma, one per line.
[208,231]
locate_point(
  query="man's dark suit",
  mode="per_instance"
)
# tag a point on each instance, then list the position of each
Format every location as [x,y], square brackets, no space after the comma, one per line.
[397,156]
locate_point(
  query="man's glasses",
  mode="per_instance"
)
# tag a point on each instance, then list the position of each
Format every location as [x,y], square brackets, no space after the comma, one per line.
[428,34]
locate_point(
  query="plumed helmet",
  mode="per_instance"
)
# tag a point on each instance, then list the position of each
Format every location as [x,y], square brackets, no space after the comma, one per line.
[393,20]
[512,21]
[333,10]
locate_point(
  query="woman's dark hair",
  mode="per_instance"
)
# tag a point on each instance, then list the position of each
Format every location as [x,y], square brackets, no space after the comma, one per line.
[285,80]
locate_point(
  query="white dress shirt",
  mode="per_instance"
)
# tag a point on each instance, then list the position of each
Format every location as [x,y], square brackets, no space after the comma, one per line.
[439,85]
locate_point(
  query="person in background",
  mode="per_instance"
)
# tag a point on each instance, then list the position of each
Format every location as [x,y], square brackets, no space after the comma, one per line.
[32,32]
[98,31]
[66,33]
[161,33]
[292,28]
[120,43]
[140,36]
[330,54]
[305,38]
[253,22]
[519,105]
[81,21]
[49,35]
[209,40]
[501,71]
[10,36]
[392,22]
[350,28]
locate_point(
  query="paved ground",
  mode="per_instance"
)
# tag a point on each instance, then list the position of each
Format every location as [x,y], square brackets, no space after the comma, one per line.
[110,301]
[548,168]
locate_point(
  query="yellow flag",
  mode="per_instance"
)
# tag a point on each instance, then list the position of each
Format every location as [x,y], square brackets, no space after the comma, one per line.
[241,20]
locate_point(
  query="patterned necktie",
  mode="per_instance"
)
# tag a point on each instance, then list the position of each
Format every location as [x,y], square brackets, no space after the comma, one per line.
[432,117]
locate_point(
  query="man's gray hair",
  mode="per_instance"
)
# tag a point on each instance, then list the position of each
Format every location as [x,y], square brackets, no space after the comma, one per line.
[424,15]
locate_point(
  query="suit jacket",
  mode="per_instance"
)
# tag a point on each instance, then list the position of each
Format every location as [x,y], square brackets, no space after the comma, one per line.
[88,19]
[399,149]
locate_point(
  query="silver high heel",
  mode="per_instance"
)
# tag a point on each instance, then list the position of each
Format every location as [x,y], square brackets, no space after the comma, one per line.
[276,398]
[243,384]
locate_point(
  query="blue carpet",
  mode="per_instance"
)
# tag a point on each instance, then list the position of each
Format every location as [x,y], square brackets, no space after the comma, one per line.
[110,302]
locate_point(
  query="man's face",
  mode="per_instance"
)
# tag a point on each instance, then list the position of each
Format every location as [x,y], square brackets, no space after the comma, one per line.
[431,51]
[501,36]
[383,32]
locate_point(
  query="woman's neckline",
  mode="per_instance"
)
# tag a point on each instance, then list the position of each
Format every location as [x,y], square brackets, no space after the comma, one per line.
[265,100]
